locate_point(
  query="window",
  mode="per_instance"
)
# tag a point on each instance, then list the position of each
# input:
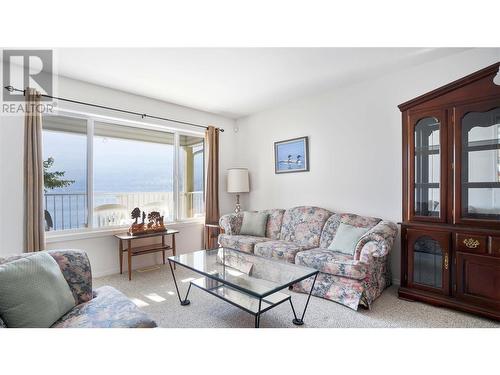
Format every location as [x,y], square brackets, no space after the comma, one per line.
[128,167]
[65,172]
[191,177]
[132,168]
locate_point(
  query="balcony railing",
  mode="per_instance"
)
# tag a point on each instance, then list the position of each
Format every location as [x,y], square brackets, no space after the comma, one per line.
[69,210]
[65,211]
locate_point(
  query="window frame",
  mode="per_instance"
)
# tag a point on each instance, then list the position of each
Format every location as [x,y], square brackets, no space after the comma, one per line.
[91,118]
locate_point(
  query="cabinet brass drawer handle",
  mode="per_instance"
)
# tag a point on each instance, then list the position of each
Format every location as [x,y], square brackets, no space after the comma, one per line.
[446,261]
[471,243]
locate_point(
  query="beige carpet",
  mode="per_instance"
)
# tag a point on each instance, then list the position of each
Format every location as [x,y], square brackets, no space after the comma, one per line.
[154,292]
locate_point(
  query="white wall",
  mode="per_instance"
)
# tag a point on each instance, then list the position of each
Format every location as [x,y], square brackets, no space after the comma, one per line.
[102,250]
[355,142]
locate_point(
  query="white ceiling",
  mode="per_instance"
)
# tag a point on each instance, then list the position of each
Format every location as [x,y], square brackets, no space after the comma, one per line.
[234,82]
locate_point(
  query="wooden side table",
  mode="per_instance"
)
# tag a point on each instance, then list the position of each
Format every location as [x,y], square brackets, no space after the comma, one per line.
[213,231]
[146,249]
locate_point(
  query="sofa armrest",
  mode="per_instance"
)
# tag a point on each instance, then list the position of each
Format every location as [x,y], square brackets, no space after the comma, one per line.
[75,267]
[231,223]
[377,242]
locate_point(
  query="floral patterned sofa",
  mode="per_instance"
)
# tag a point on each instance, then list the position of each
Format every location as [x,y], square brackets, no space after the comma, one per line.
[301,235]
[101,308]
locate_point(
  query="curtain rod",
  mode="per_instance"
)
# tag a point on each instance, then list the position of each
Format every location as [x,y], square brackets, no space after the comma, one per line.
[143,115]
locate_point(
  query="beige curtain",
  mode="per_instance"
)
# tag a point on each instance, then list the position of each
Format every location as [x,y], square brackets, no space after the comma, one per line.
[211,187]
[33,173]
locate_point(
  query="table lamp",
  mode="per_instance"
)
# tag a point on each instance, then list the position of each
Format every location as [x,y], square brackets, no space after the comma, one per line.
[237,182]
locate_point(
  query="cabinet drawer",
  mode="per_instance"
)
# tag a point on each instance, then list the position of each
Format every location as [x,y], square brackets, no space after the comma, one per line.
[471,243]
[495,246]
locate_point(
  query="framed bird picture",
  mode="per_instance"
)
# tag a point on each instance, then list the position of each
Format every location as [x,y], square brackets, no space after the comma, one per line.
[291,155]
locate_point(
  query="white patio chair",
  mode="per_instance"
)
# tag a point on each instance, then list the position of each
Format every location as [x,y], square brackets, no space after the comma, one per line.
[160,206]
[110,214]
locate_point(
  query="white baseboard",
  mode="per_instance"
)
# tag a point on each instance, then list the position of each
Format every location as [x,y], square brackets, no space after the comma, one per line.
[103,273]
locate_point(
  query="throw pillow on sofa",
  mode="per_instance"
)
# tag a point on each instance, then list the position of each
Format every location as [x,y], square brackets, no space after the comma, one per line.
[254,224]
[33,292]
[346,238]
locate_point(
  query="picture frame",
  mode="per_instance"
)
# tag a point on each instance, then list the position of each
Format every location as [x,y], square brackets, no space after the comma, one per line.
[291,155]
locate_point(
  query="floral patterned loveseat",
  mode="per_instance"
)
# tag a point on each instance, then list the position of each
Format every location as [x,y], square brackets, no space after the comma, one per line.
[301,235]
[101,308]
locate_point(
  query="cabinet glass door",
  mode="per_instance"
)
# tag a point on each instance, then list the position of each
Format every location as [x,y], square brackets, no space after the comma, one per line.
[428,260]
[427,168]
[480,163]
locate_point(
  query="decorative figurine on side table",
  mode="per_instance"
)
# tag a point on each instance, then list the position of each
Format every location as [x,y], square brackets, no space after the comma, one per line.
[155,222]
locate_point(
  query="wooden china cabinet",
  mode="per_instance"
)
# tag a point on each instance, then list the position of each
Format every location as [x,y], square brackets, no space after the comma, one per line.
[450,232]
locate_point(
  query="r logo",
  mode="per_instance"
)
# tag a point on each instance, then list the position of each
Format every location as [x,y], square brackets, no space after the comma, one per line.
[27,68]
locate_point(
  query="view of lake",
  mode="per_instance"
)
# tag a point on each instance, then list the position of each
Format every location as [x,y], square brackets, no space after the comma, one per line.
[119,164]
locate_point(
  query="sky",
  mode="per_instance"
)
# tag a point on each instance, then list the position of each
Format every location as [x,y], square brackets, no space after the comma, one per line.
[120,165]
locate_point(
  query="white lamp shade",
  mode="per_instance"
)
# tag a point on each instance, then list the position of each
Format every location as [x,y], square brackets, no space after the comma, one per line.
[237,180]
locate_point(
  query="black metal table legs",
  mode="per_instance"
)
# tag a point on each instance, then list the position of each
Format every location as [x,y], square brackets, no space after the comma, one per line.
[296,320]
[257,316]
[184,301]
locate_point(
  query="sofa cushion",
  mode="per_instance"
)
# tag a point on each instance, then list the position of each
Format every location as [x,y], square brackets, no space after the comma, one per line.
[333,263]
[329,230]
[75,267]
[108,309]
[33,292]
[333,222]
[302,225]
[240,242]
[347,238]
[274,222]
[254,224]
[278,249]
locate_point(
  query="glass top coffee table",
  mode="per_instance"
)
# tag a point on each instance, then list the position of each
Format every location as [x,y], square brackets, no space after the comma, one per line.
[252,283]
